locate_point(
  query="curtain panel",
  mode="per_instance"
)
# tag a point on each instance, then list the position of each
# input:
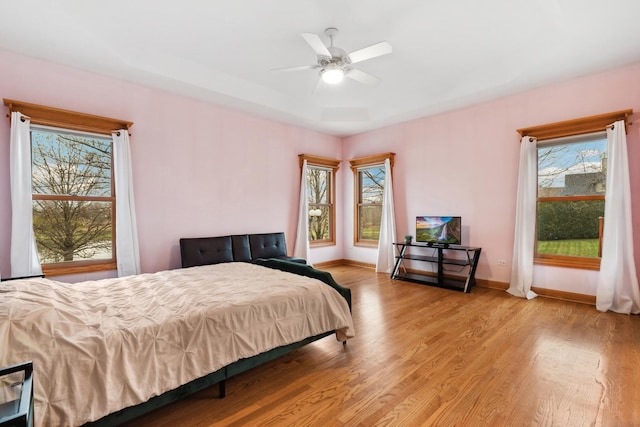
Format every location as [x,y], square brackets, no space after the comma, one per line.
[301,247]
[386,251]
[24,252]
[127,249]
[524,236]
[617,288]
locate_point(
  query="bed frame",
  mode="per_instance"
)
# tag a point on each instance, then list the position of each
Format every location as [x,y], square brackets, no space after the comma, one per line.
[219,376]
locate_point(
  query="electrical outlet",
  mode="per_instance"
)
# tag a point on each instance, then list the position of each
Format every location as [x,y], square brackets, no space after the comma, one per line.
[502,262]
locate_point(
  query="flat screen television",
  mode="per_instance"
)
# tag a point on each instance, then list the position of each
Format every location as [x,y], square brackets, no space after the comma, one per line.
[439,229]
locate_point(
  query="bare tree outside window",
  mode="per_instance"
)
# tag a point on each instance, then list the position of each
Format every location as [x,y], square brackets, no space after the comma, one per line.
[370,193]
[73,197]
[320,187]
[319,193]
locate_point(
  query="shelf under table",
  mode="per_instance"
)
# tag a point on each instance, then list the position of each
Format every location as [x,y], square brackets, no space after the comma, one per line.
[450,261]
[424,279]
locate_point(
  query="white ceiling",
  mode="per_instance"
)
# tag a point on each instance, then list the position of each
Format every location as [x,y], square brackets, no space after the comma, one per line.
[446,54]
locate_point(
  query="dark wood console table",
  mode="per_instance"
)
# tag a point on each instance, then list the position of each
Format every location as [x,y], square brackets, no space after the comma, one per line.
[439,255]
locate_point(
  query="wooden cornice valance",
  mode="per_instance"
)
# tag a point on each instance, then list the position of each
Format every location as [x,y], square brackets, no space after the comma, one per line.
[56,117]
[326,162]
[576,126]
[376,159]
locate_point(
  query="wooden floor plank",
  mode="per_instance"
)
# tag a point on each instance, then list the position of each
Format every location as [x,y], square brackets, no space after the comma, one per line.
[429,356]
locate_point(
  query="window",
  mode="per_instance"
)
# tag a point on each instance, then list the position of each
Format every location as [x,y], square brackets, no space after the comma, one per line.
[572,165]
[73,196]
[571,188]
[369,175]
[72,188]
[370,189]
[321,198]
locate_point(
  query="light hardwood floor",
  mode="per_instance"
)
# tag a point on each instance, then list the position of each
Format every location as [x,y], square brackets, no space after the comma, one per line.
[426,356]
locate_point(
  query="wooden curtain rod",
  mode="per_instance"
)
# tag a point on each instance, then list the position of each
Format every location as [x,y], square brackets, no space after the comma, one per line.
[23,118]
[66,119]
[611,126]
[579,126]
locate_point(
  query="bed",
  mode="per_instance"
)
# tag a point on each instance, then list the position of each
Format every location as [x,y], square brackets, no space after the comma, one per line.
[106,351]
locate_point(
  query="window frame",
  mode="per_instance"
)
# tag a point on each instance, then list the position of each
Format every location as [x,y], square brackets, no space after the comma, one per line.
[581,126]
[332,165]
[357,164]
[78,122]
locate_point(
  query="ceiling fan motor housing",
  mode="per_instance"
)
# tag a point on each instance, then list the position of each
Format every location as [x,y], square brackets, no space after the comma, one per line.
[339,58]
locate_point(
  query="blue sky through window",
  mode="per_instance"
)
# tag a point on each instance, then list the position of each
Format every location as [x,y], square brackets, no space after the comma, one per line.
[556,161]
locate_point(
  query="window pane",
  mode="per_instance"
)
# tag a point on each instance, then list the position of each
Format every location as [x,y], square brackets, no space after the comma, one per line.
[68,230]
[319,222]
[570,228]
[320,203]
[318,181]
[370,194]
[371,184]
[572,169]
[70,164]
[369,220]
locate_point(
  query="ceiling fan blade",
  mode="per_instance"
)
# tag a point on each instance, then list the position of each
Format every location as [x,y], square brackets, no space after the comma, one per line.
[301,67]
[362,77]
[370,52]
[316,44]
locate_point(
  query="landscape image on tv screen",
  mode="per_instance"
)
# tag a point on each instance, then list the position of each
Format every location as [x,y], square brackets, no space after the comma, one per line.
[438,229]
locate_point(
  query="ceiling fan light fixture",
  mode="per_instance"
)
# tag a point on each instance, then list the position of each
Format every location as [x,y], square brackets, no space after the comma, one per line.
[332,75]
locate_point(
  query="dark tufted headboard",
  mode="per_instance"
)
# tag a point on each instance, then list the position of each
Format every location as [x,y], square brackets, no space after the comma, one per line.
[267,245]
[238,247]
[206,250]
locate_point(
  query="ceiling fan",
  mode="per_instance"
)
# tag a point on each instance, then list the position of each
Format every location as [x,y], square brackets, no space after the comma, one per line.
[335,64]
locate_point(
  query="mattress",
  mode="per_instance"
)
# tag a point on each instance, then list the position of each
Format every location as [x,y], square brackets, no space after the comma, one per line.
[100,346]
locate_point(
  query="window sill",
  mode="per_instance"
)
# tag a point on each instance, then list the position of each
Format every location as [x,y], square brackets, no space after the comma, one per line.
[370,244]
[569,262]
[321,243]
[61,269]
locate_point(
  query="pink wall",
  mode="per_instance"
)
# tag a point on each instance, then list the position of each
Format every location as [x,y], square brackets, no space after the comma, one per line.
[199,169]
[466,162]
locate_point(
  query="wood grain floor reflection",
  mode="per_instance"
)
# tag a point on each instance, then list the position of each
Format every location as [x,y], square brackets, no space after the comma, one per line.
[426,356]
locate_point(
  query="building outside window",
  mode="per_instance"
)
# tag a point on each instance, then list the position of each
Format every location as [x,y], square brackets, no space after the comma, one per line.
[571,189]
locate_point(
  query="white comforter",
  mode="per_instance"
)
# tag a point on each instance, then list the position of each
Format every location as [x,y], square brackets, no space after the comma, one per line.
[100,346]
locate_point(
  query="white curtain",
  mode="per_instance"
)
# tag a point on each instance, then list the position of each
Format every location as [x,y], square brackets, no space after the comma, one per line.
[301,247]
[524,239]
[127,249]
[24,253]
[617,288]
[386,251]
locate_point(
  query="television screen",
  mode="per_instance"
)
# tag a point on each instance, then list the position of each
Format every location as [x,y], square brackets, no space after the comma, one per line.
[438,229]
